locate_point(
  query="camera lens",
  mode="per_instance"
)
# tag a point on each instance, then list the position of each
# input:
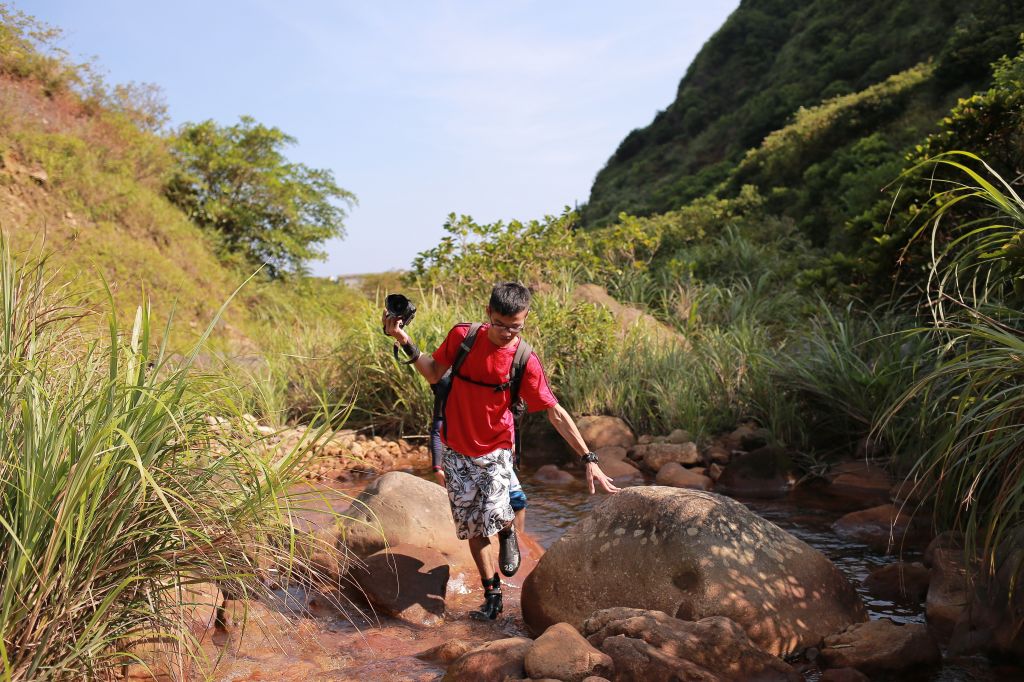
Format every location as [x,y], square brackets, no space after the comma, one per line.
[397,305]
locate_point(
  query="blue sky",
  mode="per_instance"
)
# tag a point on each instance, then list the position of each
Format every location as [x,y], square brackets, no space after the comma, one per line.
[497,110]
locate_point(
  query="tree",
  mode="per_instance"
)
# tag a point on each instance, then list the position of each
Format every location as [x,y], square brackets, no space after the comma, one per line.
[236,182]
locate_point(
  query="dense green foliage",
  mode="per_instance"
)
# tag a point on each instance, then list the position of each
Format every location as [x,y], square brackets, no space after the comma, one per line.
[771,58]
[236,182]
[873,248]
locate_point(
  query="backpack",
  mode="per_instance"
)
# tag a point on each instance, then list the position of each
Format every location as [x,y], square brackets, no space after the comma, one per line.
[516,404]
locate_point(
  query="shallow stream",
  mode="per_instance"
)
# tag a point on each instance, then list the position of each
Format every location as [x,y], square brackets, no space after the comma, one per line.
[325,645]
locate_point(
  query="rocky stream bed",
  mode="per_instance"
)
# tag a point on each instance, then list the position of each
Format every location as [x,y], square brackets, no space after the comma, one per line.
[850,588]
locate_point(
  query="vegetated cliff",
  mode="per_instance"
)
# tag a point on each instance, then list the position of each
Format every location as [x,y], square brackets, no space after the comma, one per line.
[773,57]
[83,184]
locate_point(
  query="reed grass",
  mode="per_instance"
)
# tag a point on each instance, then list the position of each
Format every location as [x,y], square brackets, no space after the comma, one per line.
[965,411]
[117,494]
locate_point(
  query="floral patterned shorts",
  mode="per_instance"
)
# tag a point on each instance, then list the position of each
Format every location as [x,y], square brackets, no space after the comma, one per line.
[478,489]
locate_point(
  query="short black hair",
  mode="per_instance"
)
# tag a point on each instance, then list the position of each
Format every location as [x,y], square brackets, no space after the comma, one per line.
[510,298]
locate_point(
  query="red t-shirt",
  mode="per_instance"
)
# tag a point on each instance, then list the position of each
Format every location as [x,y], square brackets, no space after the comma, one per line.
[478,418]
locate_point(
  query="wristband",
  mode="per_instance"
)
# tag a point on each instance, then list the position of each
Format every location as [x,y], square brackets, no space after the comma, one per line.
[412,351]
[589,458]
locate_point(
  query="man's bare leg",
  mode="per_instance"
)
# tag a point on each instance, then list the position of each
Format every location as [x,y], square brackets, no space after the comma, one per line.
[480,548]
[520,520]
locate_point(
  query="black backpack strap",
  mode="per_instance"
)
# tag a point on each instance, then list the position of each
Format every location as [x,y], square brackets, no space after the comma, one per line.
[453,371]
[518,407]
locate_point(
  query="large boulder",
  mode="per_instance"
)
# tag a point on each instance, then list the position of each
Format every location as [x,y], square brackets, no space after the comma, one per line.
[691,554]
[406,582]
[653,646]
[601,431]
[492,662]
[881,646]
[402,509]
[765,472]
[561,653]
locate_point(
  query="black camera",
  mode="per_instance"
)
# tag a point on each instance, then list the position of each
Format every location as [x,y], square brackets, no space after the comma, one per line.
[401,307]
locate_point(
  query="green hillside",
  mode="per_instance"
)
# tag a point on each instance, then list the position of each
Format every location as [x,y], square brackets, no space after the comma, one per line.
[84,168]
[770,59]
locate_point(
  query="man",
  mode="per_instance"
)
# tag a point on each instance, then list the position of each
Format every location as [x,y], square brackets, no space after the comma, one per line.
[477,443]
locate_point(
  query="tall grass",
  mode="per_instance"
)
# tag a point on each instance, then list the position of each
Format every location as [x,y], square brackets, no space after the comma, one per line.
[314,362]
[116,495]
[966,411]
[658,387]
[836,374]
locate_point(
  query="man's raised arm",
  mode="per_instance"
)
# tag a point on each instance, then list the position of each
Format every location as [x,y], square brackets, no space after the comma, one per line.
[424,363]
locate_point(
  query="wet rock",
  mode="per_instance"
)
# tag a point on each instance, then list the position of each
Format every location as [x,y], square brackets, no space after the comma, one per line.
[657,455]
[885,528]
[562,653]
[994,621]
[679,436]
[402,509]
[549,474]
[446,652]
[858,480]
[715,471]
[492,662]
[881,646]
[600,431]
[949,539]
[678,476]
[908,491]
[691,554]
[620,470]
[899,582]
[716,454]
[766,472]
[406,582]
[651,645]
[947,592]
[595,678]
[758,438]
[610,452]
[844,675]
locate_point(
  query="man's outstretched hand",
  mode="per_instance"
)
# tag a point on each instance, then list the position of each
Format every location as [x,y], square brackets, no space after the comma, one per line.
[594,473]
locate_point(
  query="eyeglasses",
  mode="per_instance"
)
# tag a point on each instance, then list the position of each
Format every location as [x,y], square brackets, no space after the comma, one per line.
[511,329]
